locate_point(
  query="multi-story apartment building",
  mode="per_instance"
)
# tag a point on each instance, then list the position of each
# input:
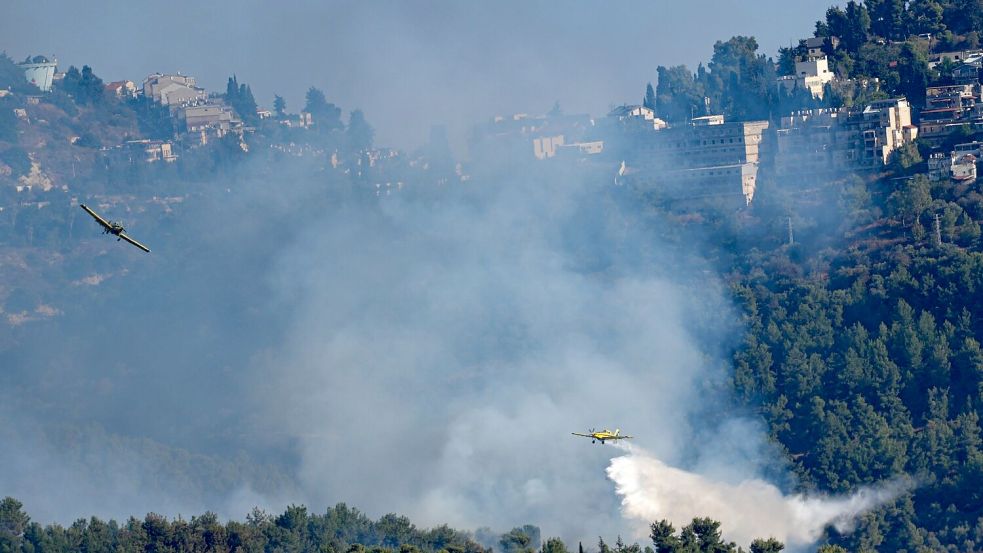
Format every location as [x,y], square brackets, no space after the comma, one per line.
[707,158]
[823,141]
[173,90]
[207,120]
[949,109]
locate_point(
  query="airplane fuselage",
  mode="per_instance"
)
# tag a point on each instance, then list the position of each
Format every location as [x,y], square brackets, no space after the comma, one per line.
[604,435]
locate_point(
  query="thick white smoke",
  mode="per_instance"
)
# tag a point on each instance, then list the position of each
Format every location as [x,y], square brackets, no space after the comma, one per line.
[441,355]
[651,490]
[422,355]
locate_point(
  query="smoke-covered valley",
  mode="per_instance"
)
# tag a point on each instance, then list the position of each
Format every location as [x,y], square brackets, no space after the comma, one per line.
[426,353]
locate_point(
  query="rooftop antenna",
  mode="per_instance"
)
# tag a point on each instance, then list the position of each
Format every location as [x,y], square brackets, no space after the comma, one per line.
[791,237]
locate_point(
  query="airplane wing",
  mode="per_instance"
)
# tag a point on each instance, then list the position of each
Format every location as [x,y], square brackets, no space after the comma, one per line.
[134,242]
[584,435]
[96,216]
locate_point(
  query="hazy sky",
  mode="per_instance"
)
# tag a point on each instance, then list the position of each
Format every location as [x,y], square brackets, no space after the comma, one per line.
[406,64]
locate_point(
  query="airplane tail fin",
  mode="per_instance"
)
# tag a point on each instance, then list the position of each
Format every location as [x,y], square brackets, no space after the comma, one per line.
[617,431]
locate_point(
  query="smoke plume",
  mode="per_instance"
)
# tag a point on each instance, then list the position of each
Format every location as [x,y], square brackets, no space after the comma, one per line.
[439,355]
[651,490]
[427,353]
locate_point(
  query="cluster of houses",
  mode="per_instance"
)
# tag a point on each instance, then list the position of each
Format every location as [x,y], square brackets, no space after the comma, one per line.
[706,157]
[950,110]
[200,116]
[711,157]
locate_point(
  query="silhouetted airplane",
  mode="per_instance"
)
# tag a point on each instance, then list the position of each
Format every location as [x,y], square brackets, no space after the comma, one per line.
[114,228]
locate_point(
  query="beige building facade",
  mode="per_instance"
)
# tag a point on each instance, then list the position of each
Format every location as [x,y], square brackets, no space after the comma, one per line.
[823,141]
[707,158]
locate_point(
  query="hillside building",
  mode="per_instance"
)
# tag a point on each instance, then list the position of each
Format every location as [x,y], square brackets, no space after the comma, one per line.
[173,90]
[636,118]
[949,109]
[122,89]
[956,167]
[521,137]
[811,67]
[823,141]
[40,71]
[151,150]
[811,74]
[967,74]
[709,158]
[209,120]
[815,46]
[953,57]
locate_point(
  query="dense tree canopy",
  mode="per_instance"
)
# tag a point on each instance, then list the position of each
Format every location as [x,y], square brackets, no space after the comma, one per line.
[875,369]
[679,95]
[326,115]
[340,529]
[240,97]
[84,86]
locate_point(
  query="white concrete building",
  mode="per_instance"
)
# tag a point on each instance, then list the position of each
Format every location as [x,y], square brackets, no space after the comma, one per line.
[709,158]
[635,117]
[963,168]
[40,72]
[956,167]
[811,74]
[545,146]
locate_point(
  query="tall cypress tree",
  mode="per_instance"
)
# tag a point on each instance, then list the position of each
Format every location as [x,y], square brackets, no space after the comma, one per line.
[649,100]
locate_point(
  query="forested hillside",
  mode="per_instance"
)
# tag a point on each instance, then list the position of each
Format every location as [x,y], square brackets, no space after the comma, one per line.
[861,298]
[871,366]
[339,529]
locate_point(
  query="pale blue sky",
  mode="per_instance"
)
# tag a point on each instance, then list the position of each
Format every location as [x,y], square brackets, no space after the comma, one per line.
[407,64]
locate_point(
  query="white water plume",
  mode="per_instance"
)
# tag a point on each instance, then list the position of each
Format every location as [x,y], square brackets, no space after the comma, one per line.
[651,491]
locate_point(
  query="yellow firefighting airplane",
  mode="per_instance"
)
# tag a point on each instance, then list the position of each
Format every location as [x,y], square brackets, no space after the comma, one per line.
[602,435]
[114,228]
